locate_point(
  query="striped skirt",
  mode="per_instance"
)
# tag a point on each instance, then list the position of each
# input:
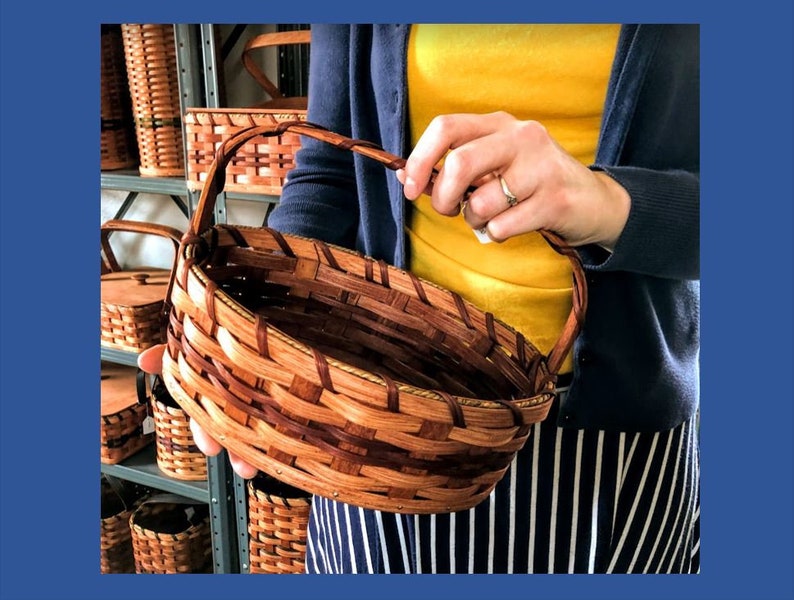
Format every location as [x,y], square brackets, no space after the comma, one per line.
[572,501]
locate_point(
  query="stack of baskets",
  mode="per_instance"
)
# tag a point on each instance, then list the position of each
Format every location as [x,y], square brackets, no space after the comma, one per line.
[117,137]
[262,164]
[133,318]
[150,56]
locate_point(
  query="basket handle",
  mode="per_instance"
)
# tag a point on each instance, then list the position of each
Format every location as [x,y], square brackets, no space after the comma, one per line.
[109,262]
[265,40]
[216,177]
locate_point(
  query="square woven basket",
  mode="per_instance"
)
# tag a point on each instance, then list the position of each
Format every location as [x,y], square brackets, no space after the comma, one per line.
[118,500]
[132,300]
[261,166]
[122,432]
[171,535]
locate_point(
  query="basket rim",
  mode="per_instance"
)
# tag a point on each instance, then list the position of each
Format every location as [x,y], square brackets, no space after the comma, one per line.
[539,398]
[244,112]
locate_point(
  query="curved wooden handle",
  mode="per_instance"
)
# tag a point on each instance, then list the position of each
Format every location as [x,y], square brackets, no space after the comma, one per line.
[301,36]
[109,259]
[215,182]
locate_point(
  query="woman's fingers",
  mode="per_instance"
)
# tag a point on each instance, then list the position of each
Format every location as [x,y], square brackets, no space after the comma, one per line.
[445,133]
[522,180]
[489,200]
[208,446]
[151,359]
[244,469]
[205,443]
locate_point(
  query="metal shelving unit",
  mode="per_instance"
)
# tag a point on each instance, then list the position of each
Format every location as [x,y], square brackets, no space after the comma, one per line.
[198,61]
[218,489]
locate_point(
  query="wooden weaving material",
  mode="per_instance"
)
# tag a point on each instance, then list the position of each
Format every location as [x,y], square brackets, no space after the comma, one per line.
[342,375]
[122,416]
[261,165]
[132,300]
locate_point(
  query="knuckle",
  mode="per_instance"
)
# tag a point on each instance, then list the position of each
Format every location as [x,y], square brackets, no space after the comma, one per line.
[501,115]
[532,132]
[440,124]
[496,231]
[458,163]
[477,211]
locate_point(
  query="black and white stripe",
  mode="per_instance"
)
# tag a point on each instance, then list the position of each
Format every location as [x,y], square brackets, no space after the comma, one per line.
[572,502]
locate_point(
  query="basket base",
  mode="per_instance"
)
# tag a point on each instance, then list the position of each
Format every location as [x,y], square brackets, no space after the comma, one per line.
[115,165]
[158,172]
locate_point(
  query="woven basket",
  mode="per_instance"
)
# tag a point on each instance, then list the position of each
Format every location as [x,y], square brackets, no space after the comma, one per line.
[122,416]
[118,500]
[176,452]
[344,376]
[171,535]
[278,518]
[261,165]
[152,72]
[117,134]
[132,301]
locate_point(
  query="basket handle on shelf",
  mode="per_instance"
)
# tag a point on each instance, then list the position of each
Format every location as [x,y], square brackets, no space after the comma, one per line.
[300,36]
[215,182]
[109,262]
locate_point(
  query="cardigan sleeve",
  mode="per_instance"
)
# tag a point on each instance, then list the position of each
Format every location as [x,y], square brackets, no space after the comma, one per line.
[650,144]
[319,198]
[662,234]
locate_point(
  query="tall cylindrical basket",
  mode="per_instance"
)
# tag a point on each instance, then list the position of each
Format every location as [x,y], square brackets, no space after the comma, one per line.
[117,134]
[278,519]
[150,54]
[176,450]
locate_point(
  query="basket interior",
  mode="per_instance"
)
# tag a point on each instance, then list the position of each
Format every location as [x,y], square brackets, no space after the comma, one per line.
[372,327]
[266,484]
[170,519]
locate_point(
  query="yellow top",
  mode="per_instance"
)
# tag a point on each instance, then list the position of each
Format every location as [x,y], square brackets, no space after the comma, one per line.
[555,74]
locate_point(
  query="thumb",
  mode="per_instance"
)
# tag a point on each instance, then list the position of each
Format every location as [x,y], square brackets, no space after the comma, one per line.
[151,359]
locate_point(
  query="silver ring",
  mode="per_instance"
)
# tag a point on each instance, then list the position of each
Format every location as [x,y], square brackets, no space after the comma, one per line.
[509,196]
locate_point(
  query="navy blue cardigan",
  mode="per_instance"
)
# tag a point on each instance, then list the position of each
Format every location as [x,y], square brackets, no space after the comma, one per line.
[636,360]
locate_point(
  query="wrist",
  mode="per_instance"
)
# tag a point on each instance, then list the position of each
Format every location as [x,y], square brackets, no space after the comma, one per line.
[616,206]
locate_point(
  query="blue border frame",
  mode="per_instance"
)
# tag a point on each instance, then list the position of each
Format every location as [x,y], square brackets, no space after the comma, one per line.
[48,348]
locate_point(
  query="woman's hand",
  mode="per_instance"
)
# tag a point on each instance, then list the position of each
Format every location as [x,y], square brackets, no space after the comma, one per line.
[151,361]
[552,189]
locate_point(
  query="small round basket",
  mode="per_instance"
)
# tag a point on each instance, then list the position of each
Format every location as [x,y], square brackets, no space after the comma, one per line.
[342,375]
[278,520]
[175,449]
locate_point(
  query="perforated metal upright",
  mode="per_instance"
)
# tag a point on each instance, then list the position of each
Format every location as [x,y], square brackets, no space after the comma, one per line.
[238,505]
[219,488]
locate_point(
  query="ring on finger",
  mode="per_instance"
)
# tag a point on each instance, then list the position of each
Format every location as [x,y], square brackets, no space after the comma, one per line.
[509,196]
